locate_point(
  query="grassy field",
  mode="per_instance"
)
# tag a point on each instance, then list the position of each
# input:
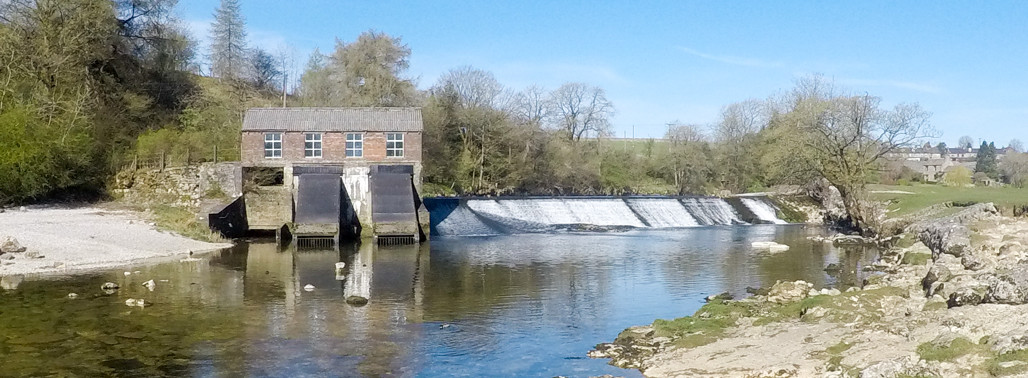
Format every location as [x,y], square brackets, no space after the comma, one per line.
[925,195]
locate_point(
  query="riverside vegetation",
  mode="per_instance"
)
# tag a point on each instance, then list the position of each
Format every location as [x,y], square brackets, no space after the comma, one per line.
[948,300]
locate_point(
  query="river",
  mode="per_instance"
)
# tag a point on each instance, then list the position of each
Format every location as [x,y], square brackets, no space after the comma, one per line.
[512,305]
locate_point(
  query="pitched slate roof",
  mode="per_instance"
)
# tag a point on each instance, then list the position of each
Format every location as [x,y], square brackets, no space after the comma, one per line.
[333,119]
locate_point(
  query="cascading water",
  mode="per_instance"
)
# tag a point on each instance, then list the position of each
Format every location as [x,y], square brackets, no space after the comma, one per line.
[662,212]
[711,211]
[763,210]
[483,216]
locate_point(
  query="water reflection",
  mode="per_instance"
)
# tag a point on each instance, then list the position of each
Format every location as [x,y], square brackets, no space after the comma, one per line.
[507,305]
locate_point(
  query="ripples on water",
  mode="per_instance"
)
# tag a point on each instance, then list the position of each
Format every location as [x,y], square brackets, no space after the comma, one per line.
[525,305]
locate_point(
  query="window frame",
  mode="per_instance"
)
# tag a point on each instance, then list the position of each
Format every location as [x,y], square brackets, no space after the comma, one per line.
[356,149]
[391,150]
[316,142]
[270,150]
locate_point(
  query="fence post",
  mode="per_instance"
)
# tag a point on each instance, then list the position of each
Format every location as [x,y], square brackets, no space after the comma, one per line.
[189,152]
[135,161]
[215,154]
[164,156]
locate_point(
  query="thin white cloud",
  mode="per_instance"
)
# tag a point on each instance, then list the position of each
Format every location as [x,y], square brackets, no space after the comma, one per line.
[908,85]
[733,60]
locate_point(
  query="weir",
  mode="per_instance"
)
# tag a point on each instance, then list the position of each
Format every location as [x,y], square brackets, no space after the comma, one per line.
[511,215]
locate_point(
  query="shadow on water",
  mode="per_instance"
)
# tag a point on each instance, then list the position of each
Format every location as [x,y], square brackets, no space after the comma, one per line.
[503,305]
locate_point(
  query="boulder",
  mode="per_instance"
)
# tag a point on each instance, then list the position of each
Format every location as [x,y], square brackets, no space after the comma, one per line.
[726,296]
[1010,343]
[972,262]
[11,245]
[785,292]
[950,235]
[937,273]
[1010,287]
[964,297]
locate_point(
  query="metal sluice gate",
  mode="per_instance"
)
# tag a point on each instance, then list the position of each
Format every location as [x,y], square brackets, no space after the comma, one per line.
[396,239]
[315,242]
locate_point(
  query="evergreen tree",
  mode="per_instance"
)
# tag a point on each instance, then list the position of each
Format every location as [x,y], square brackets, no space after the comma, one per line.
[985,161]
[228,41]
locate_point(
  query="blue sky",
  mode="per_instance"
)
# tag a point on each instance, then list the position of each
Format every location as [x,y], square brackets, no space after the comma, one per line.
[661,61]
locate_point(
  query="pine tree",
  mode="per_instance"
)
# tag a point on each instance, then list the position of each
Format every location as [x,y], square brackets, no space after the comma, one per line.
[228,41]
[985,161]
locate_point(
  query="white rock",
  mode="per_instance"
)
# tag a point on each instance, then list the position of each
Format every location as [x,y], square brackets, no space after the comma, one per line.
[150,285]
[128,273]
[130,302]
[73,295]
[308,287]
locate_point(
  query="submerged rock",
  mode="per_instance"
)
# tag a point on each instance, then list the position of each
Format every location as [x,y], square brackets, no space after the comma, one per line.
[109,287]
[770,246]
[726,296]
[150,285]
[356,300]
[11,245]
[631,348]
[308,287]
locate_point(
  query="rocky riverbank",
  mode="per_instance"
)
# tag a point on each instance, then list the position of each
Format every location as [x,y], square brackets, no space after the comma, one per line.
[949,301]
[56,240]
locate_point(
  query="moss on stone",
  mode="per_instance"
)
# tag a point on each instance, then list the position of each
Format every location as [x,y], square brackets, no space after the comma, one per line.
[956,348]
[916,258]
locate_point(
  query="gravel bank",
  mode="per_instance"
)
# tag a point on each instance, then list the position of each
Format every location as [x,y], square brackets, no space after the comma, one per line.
[68,240]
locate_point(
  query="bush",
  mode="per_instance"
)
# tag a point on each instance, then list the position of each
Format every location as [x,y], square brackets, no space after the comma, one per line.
[957,176]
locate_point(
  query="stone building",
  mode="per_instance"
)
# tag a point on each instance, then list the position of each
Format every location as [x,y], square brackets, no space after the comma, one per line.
[288,138]
[333,171]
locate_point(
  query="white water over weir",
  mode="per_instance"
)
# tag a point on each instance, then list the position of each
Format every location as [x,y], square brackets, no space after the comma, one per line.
[485,216]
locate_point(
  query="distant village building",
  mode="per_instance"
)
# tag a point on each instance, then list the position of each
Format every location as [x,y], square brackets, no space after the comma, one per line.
[932,163]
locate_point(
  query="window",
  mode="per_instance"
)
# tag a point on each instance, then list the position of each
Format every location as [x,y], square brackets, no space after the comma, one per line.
[312,145]
[394,144]
[354,145]
[273,145]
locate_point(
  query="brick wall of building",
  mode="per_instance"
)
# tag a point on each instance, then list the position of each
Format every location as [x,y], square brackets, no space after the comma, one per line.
[333,149]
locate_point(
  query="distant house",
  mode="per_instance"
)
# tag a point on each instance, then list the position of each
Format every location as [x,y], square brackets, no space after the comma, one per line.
[932,163]
[931,170]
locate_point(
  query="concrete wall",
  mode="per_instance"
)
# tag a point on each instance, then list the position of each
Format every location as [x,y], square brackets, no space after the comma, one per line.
[358,187]
[269,207]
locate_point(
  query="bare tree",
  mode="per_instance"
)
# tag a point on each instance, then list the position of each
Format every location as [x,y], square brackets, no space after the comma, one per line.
[472,87]
[579,109]
[741,119]
[1016,145]
[965,142]
[844,138]
[531,106]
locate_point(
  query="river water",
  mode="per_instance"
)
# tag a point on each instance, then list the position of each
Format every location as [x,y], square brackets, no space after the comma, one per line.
[515,305]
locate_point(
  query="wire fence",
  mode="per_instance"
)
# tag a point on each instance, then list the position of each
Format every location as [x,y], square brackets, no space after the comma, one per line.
[165,160]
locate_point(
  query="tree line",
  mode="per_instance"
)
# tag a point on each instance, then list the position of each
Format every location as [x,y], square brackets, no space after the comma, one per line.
[87,83]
